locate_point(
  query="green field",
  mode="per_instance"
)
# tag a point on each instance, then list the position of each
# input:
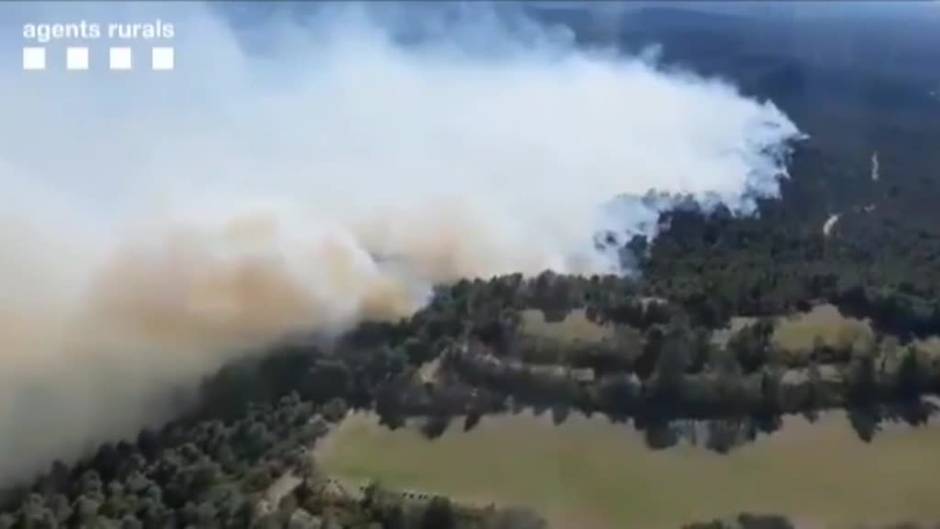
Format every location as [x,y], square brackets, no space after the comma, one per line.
[590,474]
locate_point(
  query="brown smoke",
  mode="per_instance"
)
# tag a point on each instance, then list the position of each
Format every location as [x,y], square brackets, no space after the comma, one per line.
[166,225]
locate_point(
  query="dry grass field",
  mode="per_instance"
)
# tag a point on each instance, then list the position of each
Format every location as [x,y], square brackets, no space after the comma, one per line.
[589,473]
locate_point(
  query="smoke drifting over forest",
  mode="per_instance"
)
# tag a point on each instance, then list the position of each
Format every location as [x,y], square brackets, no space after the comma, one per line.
[301,176]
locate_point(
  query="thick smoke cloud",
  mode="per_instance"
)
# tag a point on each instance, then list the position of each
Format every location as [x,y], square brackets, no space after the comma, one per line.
[300,176]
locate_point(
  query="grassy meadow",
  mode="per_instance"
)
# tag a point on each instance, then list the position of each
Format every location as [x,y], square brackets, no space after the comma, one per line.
[575,327]
[590,474]
[794,335]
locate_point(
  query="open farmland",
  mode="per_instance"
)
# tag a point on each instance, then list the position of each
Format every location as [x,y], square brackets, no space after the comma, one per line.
[589,473]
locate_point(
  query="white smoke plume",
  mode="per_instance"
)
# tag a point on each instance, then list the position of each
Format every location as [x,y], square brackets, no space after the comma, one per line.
[300,176]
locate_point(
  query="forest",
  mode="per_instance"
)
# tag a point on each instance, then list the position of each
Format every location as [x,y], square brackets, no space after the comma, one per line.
[242,456]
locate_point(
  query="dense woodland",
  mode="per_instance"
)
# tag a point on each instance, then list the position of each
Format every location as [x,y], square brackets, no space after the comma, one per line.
[255,471]
[256,420]
[463,356]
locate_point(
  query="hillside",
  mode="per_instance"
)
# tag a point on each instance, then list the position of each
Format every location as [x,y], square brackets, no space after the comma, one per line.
[386,364]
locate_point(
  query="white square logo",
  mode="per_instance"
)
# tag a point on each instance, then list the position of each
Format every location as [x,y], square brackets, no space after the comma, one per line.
[76,58]
[162,58]
[34,58]
[120,58]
